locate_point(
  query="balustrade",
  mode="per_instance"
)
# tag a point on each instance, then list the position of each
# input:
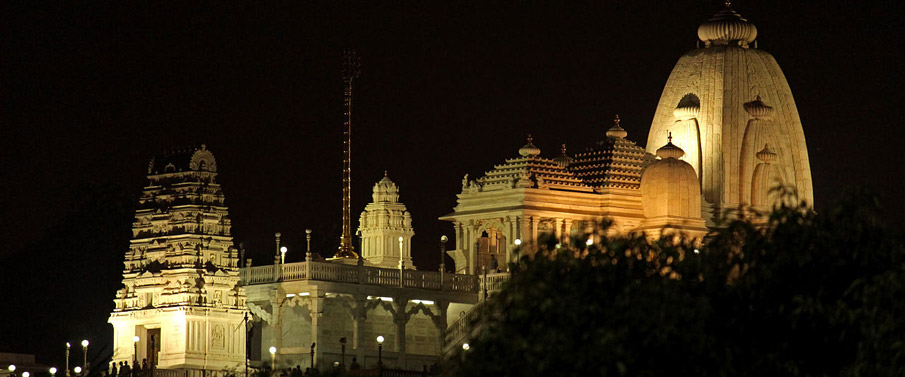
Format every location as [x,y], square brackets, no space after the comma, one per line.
[344,273]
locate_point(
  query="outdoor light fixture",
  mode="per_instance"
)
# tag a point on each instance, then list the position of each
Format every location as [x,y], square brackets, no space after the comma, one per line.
[67,358]
[53,371]
[465,346]
[85,355]
[283,251]
[696,251]
[26,374]
[12,368]
[77,369]
[590,241]
[518,242]
[135,340]
[380,351]
[273,355]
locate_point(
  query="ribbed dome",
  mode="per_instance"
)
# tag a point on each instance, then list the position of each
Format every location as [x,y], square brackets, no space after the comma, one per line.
[529,150]
[616,131]
[727,26]
[670,187]
[766,155]
[757,109]
[563,159]
[685,112]
[670,150]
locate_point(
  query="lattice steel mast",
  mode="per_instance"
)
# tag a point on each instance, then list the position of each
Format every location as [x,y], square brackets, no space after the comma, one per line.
[351,71]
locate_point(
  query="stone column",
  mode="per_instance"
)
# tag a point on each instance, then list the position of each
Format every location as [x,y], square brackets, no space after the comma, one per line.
[534,222]
[400,320]
[557,229]
[440,322]
[276,304]
[359,315]
[316,310]
[568,231]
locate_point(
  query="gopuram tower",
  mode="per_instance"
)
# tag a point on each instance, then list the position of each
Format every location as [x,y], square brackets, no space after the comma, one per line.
[181,306]
[724,103]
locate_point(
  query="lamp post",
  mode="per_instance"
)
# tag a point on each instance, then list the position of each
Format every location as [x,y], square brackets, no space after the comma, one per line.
[12,370]
[312,354]
[77,369]
[273,357]
[342,343]
[380,351]
[283,251]
[85,355]
[53,371]
[135,340]
[443,240]
[401,265]
[67,359]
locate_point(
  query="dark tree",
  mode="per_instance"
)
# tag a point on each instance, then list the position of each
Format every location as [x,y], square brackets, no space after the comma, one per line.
[803,295]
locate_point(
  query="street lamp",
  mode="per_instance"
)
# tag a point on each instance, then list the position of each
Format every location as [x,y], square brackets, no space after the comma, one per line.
[53,371]
[85,354]
[67,358]
[135,340]
[312,354]
[589,242]
[26,374]
[12,368]
[77,369]
[283,251]
[342,342]
[518,242]
[465,346]
[379,350]
[273,357]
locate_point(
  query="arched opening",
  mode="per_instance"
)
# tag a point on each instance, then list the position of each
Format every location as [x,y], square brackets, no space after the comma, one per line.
[491,247]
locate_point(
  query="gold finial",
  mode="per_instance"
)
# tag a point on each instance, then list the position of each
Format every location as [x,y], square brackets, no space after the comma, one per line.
[616,121]
[669,137]
[563,149]
[384,173]
[757,97]
[530,139]
[728,4]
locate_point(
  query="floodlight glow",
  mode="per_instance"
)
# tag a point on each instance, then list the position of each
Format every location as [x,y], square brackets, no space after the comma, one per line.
[77,370]
[273,350]
[518,241]
[12,368]
[53,370]
[465,346]
[380,339]
[284,249]
[696,251]
[290,295]
[26,374]
[85,343]
[589,242]
[304,294]
[425,302]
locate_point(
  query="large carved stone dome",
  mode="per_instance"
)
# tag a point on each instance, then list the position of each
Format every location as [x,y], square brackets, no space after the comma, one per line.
[669,186]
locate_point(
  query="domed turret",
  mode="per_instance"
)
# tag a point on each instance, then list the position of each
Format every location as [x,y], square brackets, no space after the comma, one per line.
[757,109]
[385,190]
[727,27]
[671,195]
[382,223]
[529,150]
[563,159]
[616,131]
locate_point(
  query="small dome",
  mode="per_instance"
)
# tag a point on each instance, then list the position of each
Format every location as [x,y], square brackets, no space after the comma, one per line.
[670,187]
[685,112]
[727,26]
[529,150]
[616,131]
[757,109]
[385,190]
[766,155]
[563,159]
[670,150]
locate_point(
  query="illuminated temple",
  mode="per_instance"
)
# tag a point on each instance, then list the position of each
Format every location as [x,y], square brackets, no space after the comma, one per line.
[725,132]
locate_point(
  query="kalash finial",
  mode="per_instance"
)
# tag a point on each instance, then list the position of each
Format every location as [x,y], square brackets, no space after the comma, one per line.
[529,150]
[616,131]
[728,4]
[563,149]
[384,173]
[669,137]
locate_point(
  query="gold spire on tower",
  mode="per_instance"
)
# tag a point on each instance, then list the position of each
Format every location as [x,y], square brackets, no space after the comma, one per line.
[351,71]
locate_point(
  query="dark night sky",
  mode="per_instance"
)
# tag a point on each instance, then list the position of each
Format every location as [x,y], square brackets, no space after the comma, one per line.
[91,91]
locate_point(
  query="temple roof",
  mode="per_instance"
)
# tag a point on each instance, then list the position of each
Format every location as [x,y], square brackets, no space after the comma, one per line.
[613,162]
[183,159]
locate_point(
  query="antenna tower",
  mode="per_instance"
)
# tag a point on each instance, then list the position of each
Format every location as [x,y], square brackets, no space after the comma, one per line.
[351,71]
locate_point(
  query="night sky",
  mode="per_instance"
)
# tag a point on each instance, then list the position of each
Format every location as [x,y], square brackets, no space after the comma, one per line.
[91,91]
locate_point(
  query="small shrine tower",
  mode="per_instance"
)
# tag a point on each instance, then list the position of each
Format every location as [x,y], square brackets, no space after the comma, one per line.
[181,306]
[383,222]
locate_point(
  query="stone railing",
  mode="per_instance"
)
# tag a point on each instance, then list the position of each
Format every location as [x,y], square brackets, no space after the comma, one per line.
[493,282]
[344,273]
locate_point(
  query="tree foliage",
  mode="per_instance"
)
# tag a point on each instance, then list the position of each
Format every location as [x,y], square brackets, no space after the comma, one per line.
[803,295]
